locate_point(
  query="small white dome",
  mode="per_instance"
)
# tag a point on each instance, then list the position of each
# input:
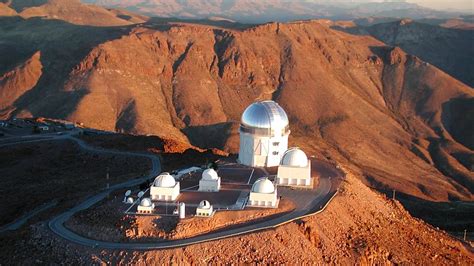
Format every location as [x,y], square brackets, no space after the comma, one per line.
[164,180]
[130,200]
[146,202]
[210,174]
[294,157]
[204,204]
[263,185]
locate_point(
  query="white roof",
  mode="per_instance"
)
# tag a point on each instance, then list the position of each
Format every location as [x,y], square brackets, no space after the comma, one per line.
[263,117]
[164,180]
[263,185]
[204,205]
[294,157]
[210,174]
[146,202]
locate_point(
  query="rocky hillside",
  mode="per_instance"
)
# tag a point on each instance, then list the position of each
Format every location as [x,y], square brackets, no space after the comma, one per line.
[397,119]
[450,49]
[72,11]
[5,10]
[360,226]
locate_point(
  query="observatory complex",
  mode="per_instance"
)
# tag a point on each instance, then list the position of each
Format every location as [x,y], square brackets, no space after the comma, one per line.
[264,131]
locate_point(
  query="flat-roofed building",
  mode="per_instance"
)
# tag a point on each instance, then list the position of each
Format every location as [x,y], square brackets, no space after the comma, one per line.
[294,169]
[165,188]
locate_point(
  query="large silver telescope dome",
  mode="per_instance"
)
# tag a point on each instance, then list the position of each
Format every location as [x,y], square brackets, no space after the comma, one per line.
[265,118]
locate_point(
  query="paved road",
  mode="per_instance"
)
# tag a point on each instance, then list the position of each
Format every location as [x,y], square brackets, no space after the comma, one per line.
[307,202]
[22,220]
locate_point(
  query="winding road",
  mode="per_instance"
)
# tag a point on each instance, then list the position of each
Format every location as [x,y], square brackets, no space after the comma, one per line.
[308,202]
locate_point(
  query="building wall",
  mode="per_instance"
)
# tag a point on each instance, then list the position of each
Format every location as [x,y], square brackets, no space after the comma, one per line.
[262,199]
[142,209]
[204,212]
[261,151]
[298,176]
[210,185]
[165,193]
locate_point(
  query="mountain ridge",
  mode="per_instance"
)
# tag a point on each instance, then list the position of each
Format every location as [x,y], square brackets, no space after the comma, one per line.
[191,82]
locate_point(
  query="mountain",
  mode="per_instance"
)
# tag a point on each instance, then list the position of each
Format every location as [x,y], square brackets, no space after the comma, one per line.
[399,122]
[72,11]
[253,11]
[450,49]
[5,10]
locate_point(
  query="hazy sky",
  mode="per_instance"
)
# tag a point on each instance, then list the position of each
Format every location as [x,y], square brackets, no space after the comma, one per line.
[466,5]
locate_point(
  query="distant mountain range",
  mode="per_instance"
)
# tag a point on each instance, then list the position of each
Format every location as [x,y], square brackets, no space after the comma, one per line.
[257,11]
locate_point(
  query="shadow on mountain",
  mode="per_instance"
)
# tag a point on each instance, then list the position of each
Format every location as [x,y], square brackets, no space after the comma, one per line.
[455,216]
[453,117]
[216,135]
[62,46]
[161,23]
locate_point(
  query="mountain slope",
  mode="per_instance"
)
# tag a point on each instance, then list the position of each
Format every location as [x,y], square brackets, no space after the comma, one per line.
[73,11]
[449,49]
[386,113]
[15,83]
[5,10]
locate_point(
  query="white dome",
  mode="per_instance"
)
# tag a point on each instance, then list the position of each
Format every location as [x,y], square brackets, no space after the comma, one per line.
[263,185]
[204,204]
[210,174]
[294,157]
[130,200]
[265,118]
[146,202]
[164,180]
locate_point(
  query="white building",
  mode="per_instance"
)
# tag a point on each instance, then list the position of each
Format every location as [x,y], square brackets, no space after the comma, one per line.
[295,169]
[210,181]
[205,209]
[264,131]
[165,188]
[263,194]
[146,206]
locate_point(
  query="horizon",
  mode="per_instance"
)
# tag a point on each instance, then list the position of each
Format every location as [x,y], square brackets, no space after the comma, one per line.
[459,5]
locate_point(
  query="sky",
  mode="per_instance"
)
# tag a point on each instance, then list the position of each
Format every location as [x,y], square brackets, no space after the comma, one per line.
[464,5]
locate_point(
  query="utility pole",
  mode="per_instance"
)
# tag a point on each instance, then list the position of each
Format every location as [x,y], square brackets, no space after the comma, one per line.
[393,194]
[465,234]
[107,178]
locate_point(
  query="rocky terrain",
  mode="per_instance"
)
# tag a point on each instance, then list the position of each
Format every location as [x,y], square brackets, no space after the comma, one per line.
[107,222]
[183,82]
[383,233]
[447,45]
[392,119]
[49,171]
[72,11]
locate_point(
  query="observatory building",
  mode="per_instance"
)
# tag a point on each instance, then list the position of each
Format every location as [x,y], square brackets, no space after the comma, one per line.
[264,131]
[164,188]
[263,194]
[210,181]
[295,169]
[146,206]
[204,209]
